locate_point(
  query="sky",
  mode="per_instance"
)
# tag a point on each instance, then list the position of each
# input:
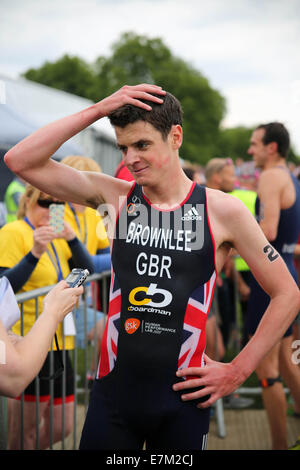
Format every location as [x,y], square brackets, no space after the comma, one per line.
[249,50]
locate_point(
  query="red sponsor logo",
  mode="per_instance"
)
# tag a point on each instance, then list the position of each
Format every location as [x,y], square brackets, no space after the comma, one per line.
[131,325]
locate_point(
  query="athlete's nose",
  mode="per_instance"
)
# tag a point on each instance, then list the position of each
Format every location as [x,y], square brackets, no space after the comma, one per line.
[131,157]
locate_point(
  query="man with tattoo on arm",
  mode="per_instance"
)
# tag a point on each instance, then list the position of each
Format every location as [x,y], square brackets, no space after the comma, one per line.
[278,213]
[154,382]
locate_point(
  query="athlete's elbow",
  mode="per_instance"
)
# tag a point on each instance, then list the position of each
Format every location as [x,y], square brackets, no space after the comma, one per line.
[14,161]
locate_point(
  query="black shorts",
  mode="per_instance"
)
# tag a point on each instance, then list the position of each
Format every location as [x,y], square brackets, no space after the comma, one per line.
[45,383]
[124,414]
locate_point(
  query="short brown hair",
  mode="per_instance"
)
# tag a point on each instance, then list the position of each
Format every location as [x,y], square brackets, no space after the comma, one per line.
[216,165]
[162,116]
[276,132]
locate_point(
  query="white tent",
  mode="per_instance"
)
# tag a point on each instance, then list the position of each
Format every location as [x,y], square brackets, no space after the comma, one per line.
[27,105]
[15,127]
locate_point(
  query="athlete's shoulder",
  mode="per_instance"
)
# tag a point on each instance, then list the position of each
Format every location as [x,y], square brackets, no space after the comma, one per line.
[222,204]
[272,182]
[274,176]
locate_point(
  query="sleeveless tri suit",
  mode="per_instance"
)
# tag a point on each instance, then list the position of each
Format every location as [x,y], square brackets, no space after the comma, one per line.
[163,279]
[286,239]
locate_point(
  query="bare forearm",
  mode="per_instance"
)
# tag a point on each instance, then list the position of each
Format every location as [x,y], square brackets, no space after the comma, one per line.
[35,150]
[31,352]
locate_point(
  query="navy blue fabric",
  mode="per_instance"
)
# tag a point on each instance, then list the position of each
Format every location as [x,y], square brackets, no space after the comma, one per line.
[173,425]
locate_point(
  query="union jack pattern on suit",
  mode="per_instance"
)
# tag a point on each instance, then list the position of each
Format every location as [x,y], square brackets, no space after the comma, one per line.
[193,337]
[109,343]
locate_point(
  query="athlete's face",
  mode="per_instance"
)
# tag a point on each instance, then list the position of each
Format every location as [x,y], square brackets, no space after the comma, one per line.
[145,153]
[258,150]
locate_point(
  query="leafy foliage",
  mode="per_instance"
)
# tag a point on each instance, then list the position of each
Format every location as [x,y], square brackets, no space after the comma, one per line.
[138,59]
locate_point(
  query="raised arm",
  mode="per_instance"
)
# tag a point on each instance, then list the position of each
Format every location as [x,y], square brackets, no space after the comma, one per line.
[30,158]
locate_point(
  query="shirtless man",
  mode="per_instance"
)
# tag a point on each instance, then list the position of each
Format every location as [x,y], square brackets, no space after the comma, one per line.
[155,383]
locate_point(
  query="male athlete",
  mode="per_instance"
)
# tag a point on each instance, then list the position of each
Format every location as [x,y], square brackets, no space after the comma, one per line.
[278,213]
[154,382]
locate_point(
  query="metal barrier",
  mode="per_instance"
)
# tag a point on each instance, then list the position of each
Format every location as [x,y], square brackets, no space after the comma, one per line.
[88,350]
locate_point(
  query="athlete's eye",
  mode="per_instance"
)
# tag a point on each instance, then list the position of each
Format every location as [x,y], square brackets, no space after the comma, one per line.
[142,145]
[122,148]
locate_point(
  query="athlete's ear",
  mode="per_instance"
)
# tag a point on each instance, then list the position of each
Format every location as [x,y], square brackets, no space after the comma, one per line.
[273,147]
[176,135]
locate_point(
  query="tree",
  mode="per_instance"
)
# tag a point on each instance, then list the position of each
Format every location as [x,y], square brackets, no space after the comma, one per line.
[234,142]
[139,59]
[70,74]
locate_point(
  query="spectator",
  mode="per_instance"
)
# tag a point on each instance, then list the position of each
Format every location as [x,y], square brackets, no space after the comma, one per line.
[32,255]
[25,357]
[12,198]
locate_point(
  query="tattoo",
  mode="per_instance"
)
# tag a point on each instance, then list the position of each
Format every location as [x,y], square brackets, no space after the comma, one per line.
[272,255]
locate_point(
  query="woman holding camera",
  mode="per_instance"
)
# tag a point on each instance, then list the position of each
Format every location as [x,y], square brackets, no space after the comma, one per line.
[32,255]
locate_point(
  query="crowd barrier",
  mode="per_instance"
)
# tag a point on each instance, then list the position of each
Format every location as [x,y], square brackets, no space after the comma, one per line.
[80,390]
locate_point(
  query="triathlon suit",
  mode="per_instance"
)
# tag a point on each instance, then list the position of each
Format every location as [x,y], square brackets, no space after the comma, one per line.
[284,244]
[163,279]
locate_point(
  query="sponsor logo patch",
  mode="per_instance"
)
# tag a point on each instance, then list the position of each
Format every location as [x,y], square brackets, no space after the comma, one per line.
[131,325]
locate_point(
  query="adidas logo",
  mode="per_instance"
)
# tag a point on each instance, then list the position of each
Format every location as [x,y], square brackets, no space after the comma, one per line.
[192,214]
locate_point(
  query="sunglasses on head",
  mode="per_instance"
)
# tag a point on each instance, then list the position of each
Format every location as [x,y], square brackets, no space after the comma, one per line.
[46,203]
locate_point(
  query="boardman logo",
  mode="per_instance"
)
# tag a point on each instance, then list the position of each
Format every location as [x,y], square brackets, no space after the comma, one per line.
[162,296]
[131,325]
[192,214]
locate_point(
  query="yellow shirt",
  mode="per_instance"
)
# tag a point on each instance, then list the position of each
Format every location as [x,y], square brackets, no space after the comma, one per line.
[16,240]
[90,228]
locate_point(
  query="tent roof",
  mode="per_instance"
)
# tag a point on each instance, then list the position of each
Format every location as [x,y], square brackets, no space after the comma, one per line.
[36,105]
[14,128]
